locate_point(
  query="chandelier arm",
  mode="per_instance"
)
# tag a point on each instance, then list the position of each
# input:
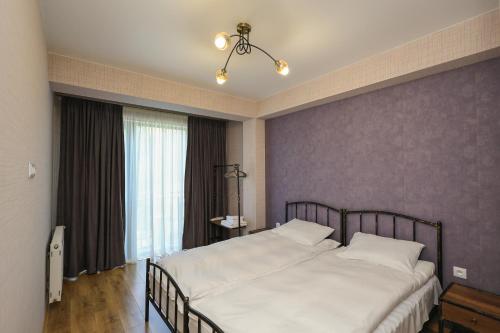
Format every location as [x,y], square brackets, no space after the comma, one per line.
[230,54]
[243,37]
[263,51]
[244,45]
[242,48]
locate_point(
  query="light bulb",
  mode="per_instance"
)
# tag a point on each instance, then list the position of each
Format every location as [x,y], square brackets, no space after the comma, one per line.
[221,76]
[282,67]
[222,40]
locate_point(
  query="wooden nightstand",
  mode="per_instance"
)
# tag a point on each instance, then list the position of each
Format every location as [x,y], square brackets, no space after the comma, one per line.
[258,230]
[465,307]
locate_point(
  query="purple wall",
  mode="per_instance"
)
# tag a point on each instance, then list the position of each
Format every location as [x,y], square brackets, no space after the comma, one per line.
[430,148]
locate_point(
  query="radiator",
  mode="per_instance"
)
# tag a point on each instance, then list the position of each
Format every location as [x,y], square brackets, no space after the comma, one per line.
[56,261]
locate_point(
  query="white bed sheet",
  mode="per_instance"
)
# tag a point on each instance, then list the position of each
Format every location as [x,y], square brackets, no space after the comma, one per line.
[411,314]
[408,317]
[214,268]
[322,293]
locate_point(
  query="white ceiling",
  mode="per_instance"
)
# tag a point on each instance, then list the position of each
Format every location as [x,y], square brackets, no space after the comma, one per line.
[173,39]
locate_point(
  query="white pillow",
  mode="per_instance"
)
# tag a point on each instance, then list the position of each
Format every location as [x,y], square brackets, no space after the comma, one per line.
[328,244]
[398,254]
[303,232]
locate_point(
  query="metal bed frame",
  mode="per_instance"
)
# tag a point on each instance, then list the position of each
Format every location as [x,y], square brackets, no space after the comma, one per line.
[294,207]
[157,303]
[396,218]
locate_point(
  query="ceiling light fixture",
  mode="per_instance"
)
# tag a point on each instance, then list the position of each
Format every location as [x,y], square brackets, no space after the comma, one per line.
[243,46]
[222,40]
[221,76]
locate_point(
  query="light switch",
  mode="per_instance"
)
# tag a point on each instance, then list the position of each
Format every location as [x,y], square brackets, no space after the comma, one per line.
[31,169]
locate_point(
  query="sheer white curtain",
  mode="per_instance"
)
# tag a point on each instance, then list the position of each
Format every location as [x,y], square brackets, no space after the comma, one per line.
[155,159]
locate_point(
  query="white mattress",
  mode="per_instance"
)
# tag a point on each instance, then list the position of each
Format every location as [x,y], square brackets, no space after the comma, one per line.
[322,293]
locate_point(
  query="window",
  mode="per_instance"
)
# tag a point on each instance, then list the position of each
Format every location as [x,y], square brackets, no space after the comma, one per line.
[155,158]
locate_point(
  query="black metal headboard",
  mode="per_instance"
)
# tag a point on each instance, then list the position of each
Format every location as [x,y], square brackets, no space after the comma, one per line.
[382,218]
[318,213]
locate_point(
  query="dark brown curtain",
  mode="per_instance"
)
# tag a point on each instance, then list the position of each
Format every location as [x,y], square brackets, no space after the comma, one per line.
[206,147]
[91,191]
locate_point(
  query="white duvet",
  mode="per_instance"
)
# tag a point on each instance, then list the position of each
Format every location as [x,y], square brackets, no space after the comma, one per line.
[217,267]
[324,294]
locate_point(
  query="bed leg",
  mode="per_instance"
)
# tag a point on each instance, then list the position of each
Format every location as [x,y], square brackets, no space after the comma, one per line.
[186,316]
[146,294]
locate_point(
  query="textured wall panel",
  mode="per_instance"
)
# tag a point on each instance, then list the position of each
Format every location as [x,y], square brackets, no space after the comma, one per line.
[85,74]
[429,147]
[429,54]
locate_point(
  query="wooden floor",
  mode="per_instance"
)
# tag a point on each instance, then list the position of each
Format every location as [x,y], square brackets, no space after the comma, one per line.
[112,301]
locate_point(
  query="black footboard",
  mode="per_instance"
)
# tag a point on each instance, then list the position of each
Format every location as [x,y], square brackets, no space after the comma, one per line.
[157,300]
[204,325]
[160,276]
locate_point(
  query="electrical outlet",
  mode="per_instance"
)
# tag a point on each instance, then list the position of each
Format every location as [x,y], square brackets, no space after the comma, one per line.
[278,224]
[460,272]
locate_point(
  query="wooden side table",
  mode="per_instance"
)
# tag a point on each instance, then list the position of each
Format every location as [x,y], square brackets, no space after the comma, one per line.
[473,309]
[219,232]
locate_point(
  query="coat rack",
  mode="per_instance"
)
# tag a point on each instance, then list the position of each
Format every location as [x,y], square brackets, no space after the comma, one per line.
[234,173]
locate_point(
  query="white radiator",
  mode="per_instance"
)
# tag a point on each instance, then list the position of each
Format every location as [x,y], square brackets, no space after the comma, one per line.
[56,265]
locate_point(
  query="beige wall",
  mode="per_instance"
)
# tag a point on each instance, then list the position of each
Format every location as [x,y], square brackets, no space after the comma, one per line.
[25,134]
[234,154]
[56,133]
[254,163]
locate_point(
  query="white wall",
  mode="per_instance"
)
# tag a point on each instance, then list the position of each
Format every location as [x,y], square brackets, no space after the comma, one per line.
[25,134]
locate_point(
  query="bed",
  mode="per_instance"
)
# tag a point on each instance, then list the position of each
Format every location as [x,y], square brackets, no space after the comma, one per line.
[324,294]
[194,274]
[321,293]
